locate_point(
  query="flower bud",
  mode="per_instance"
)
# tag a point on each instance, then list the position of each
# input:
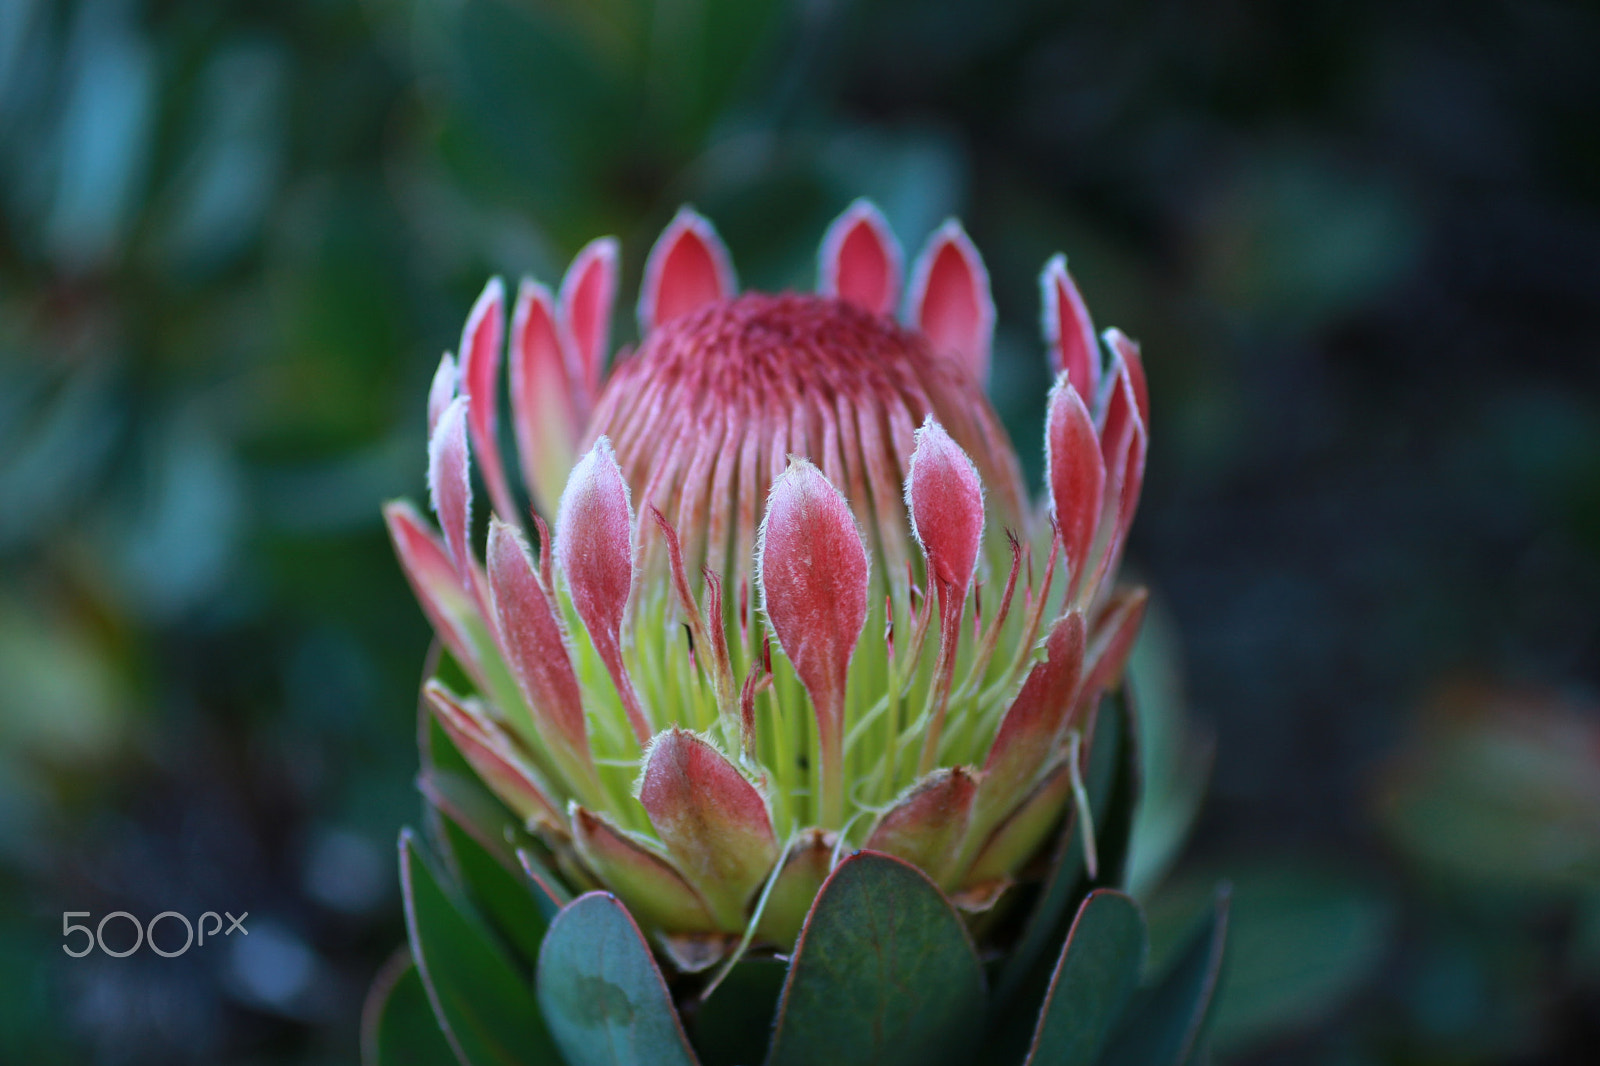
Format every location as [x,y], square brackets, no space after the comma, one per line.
[761,633]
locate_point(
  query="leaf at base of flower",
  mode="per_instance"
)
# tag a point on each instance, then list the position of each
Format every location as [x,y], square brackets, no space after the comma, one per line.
[1166,1022]
[732,1027]
[397,1023]
[1094,977]
[502,894]
[601,993]
[548,890]
[486,1009]
[884,974]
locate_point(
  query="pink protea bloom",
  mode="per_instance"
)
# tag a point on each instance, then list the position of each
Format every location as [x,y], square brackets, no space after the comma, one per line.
[797,599]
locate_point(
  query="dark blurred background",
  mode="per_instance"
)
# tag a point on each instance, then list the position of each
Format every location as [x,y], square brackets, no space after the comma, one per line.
[1360,242]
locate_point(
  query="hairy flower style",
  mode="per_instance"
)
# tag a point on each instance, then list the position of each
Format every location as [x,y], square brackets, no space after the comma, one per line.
[796,599]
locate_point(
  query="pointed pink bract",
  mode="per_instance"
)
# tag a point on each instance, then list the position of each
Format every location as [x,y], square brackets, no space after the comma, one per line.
[442,390]
[594,550]
[655,890]
[1116,631]
[860,260]
[481,341]
[450,486]
[1119,413]
[491,754]
[1128,352]
[1075,473]
[813,577]
[434,579]
[688,266]
[587,294]
[950,301]
[813,571]
[926,825]
[535,649]
[1132,481]
[945,497]
[712,820]
[543,409]
[1069,330]
[1124,442]
[1034,720]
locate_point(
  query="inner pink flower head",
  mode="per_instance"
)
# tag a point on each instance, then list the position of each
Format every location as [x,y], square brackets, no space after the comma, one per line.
[706,414]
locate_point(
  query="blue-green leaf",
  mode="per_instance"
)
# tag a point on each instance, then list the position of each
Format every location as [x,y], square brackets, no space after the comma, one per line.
[1097,972]
[884,973]
[507,899]
[1120,786]
[484,1006]
[397,1025]
[601,993]
[1165,1023]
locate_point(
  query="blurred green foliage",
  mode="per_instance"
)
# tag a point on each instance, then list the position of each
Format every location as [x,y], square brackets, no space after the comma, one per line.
[1359,243]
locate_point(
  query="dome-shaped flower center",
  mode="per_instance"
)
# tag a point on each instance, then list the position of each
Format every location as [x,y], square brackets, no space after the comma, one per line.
[705,414]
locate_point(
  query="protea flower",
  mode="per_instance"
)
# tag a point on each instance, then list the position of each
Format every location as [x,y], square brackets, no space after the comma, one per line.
[797,599]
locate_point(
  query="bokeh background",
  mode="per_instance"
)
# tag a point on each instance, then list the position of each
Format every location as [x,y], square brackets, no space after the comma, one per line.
[1359,240]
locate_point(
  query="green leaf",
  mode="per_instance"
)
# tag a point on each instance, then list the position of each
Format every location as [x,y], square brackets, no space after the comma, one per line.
[884,973]
[549,891]
[1098,971]
[734,1026]
[1165,1023]
[397,1024]
[506,898]
[601,992]
[1118,801]
[464,799]
[483,1004]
